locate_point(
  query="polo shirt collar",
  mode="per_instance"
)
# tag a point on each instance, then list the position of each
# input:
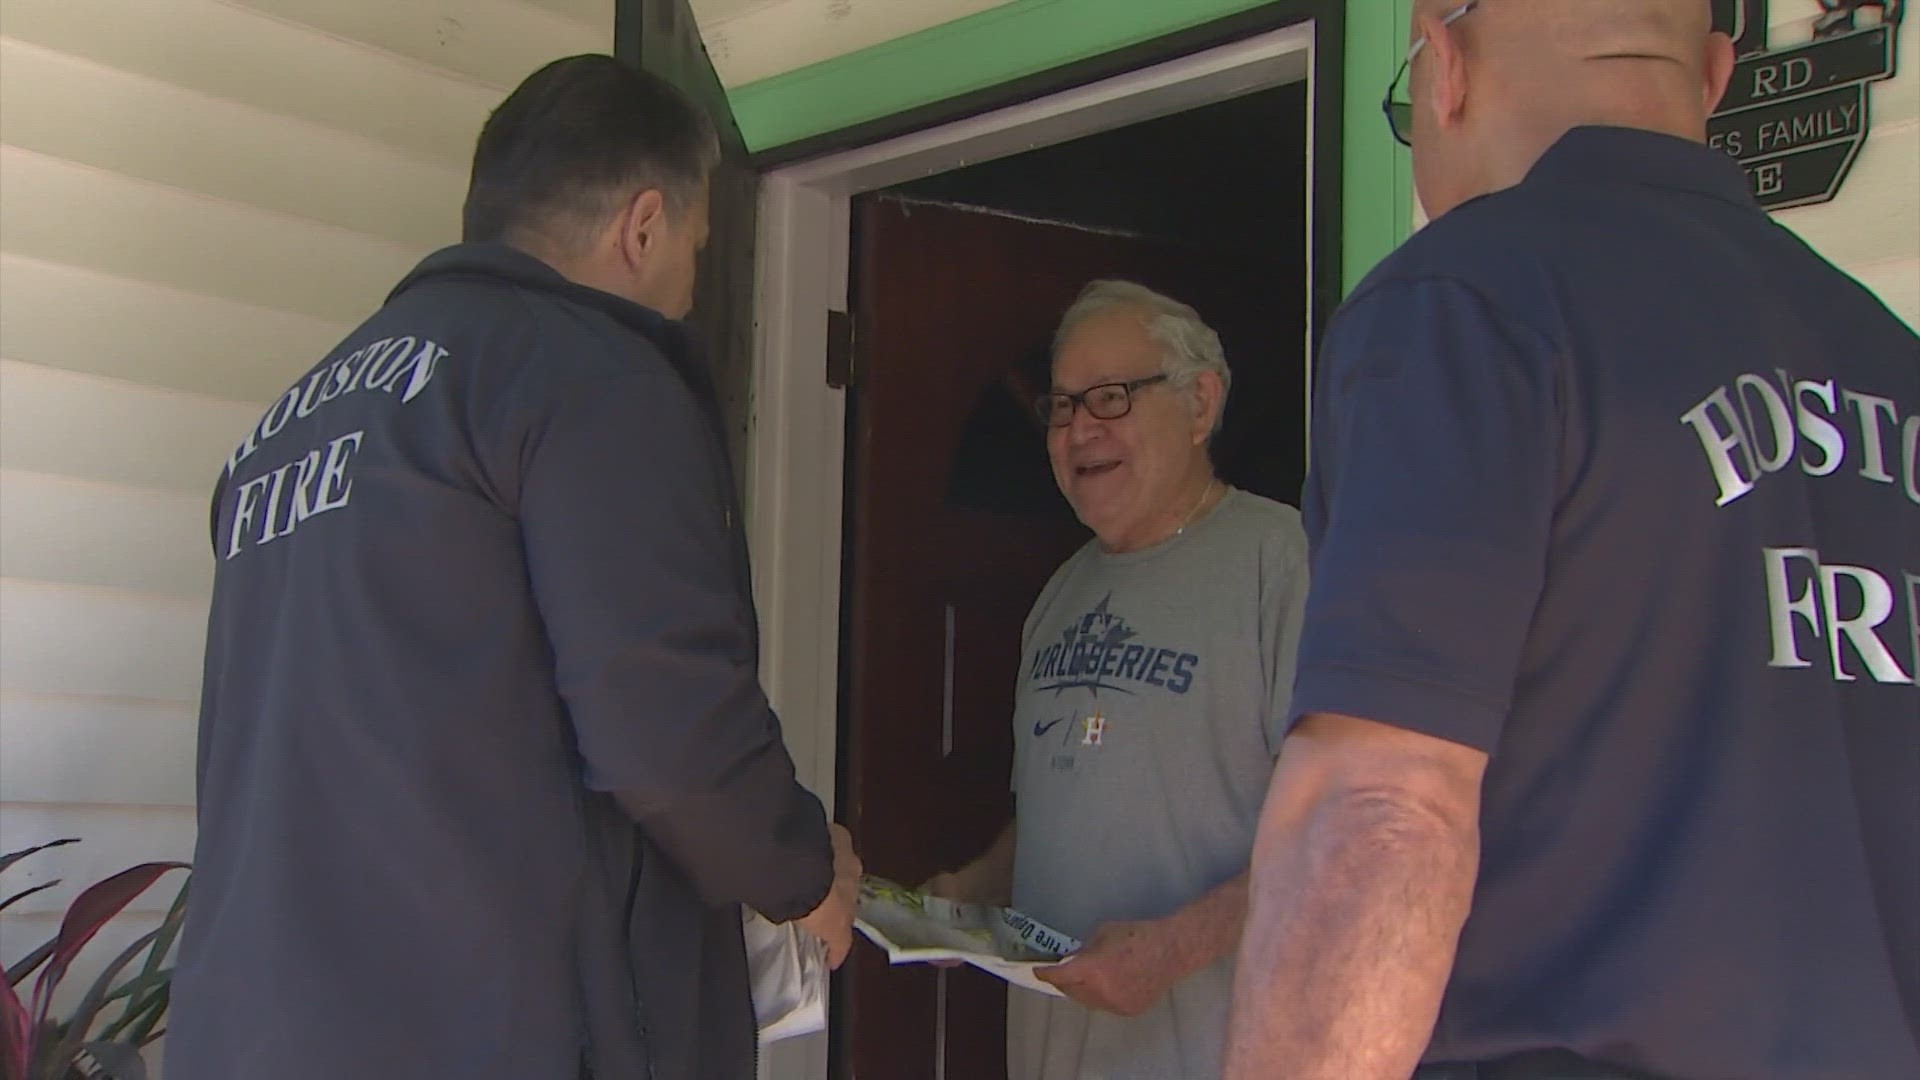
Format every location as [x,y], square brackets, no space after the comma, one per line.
[1633,156]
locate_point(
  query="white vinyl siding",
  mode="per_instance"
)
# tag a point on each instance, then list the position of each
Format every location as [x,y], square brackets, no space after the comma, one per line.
[197,199]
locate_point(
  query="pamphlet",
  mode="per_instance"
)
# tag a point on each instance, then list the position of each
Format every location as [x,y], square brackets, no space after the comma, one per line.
[915,928]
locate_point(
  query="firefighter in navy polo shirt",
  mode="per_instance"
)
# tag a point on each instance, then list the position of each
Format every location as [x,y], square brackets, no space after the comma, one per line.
[1605,756]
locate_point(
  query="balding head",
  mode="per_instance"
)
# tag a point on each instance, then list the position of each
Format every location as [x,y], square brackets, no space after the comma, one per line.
[1499,86]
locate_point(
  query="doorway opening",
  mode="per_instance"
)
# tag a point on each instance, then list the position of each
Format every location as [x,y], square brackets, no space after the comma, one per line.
[904,520]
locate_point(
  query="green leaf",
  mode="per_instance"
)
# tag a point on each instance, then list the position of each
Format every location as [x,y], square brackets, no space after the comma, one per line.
[162,945]
[143,1031]
[149,1007]
[18,972]
[140,984]
[81,1021]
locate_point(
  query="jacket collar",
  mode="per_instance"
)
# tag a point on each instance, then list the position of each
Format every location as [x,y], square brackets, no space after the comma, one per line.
[504,262]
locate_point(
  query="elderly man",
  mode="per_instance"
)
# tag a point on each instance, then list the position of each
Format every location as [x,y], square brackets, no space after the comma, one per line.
[1608,743]
[485,770]
[1155,675]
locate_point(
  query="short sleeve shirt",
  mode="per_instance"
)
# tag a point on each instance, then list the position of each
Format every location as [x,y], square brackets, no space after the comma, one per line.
[1151,702]
[1615,480]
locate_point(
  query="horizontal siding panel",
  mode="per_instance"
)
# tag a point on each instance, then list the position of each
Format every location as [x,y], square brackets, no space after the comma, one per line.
[59,530]
[57,211]
[1897,100]
[1897,283]
[599,13]
[493,42]
[98,751]
[1876,217]
[135,435]
[61,639]
[95,115]
[98,324]
[241,55]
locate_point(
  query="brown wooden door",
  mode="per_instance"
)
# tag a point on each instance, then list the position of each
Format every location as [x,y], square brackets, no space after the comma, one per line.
[954,527]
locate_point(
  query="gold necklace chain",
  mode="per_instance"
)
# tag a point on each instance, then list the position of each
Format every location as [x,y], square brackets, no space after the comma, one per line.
[1204,492]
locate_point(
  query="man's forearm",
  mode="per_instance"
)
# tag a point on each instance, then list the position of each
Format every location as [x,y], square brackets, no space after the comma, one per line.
[990,877]
[1209,928]
[1355,910]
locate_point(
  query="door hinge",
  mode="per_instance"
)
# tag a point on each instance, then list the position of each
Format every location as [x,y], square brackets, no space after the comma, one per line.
[842,371]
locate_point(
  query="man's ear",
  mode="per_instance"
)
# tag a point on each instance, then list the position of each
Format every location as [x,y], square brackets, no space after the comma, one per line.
[641,223]
[1446,66]
[1209,397]
[1719,69]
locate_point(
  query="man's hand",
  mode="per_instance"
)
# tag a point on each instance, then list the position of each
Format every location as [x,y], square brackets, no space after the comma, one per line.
[949,885]
[832,921]
[1125,968]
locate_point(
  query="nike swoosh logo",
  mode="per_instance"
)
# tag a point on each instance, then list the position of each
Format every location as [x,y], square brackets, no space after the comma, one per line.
[1040,730]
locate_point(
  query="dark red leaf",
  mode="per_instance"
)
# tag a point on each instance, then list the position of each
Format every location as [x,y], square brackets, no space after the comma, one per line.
[14,1031]
[90,911]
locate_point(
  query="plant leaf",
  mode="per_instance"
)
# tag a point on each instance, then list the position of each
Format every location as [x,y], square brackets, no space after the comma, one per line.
[139,985]
[16,1030]
[16,897]
[34,959]
[116,1061]
[141,1009]
[162,945]
[90,911]
[84,1015]
[10,859]
[143,1031]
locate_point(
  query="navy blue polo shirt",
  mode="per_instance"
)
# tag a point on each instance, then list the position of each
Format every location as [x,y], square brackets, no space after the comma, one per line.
[1615,480]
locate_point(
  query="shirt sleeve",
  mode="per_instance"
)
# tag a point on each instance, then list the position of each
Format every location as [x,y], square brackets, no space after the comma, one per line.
[1430,505]
[631,560]
[1283,604]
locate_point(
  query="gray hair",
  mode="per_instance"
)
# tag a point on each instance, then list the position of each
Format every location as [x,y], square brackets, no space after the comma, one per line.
[1189,346]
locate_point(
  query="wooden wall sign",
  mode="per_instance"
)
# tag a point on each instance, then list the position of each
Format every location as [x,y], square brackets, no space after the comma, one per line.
[1796,117]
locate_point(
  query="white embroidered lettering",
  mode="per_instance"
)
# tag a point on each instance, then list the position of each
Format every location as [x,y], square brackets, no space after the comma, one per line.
[1783,605]
[1719,444]
[1819,431]
[1779,424]
[1869,408]
[335,486]
[1860,629]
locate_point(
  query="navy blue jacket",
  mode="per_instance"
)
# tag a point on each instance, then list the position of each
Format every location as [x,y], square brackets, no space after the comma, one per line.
[485,769]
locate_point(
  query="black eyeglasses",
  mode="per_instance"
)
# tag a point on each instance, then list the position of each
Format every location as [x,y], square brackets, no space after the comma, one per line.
[1400,113]
[1108,401]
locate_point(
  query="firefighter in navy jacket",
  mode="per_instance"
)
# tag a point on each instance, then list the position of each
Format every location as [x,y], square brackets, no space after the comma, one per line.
[485,771]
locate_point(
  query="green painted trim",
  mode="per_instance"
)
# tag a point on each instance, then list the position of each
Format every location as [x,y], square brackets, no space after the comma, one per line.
[1378,201]
[1014,40]
[1024,37]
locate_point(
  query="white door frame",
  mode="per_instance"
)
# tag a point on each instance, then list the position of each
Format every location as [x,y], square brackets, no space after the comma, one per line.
[796,451]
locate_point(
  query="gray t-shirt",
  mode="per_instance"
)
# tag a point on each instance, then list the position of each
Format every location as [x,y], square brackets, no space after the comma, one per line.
[1152,699]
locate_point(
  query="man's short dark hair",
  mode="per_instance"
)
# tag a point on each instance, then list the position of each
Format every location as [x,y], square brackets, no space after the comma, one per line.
[575,140]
